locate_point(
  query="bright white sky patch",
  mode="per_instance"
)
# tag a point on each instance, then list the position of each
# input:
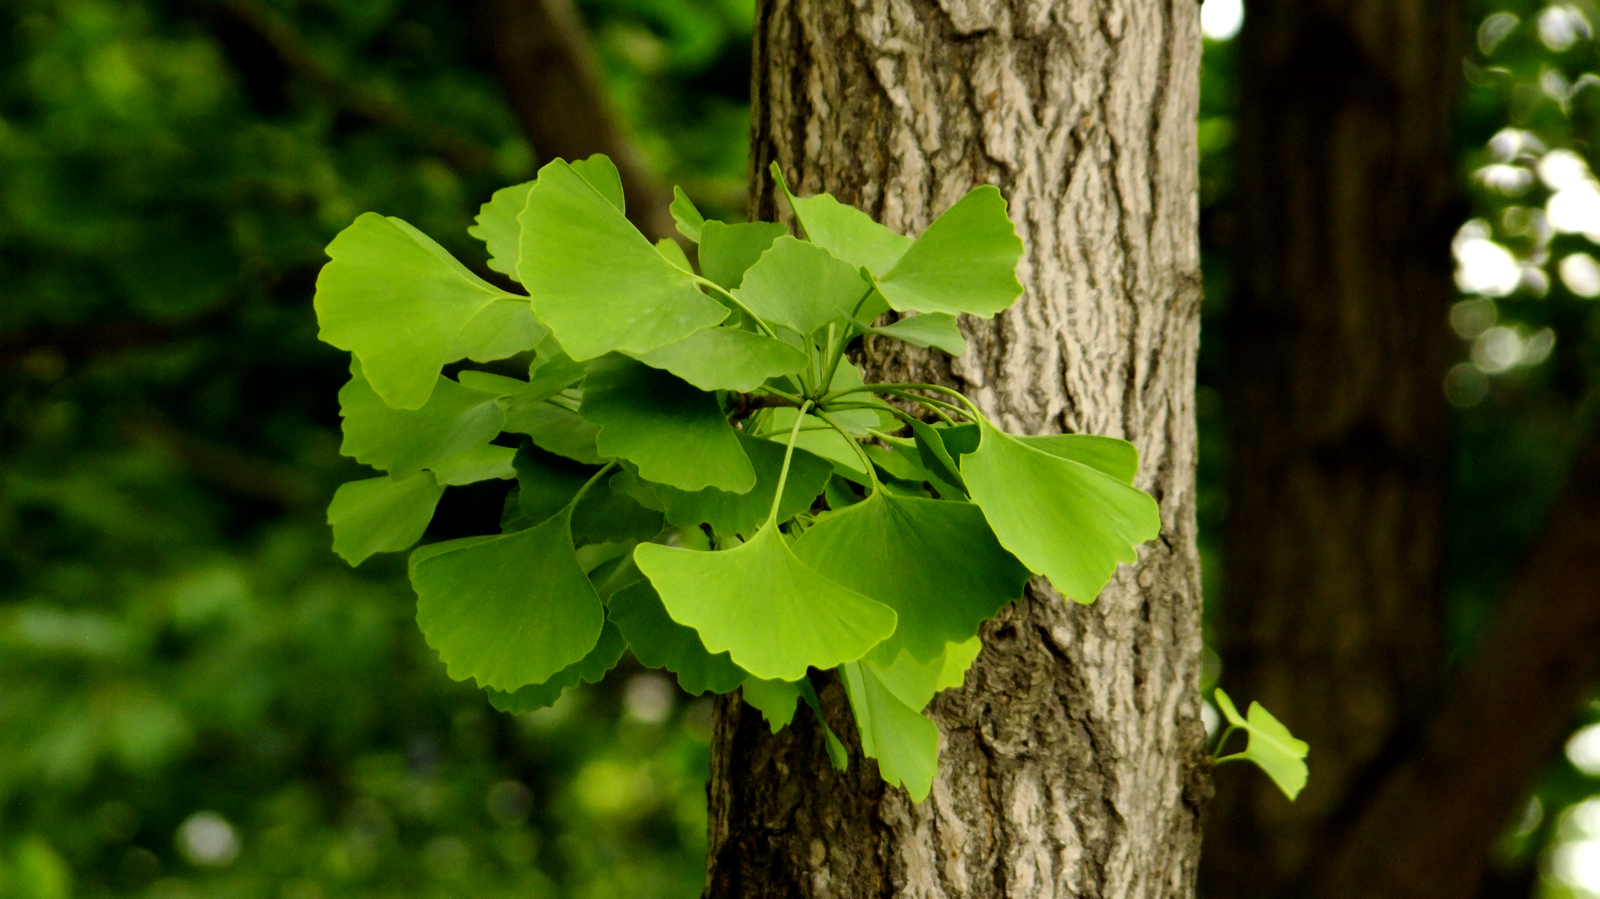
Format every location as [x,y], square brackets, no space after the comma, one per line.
[1221,19]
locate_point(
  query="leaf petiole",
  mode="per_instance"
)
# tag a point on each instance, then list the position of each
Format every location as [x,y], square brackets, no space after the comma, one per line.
[897,389]
[866,460]
[578,497]
[788,456]
[707,282]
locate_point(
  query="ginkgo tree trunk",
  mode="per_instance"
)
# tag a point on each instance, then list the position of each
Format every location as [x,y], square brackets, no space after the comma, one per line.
[1071,761]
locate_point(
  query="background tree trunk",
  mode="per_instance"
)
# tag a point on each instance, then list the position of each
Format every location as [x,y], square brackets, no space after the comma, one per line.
[1071,762]
[1332,607]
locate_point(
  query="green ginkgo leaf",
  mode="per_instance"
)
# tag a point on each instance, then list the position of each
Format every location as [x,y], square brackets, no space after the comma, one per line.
[507,610]
[483,463]
[845,231]
[936,457]
[453,420]
[398,301]
[741,514]
[590,669]
[728,251]
[935,562]
[726,359]
[1063,519]
[671,251]
[547,483]
[759,603]
[558,430]
[659,642]
[605,515]
[1117,458]
[594,280]
[966,262]
[815,437]
[958,657]
[915,681]
[684,213]
[774,699]
[602,175]
[675,435]
[496,225]
[504,328]
[1271,747]
[383,514]
[931,329]
[801,286]
[901,738]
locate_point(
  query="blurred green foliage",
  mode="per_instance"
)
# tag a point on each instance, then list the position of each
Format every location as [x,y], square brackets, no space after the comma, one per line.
[196,697]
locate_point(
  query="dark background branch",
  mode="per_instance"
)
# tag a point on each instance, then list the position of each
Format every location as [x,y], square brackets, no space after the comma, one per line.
[544,61]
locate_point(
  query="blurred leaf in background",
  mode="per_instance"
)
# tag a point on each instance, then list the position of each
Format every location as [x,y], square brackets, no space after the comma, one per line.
[197,698]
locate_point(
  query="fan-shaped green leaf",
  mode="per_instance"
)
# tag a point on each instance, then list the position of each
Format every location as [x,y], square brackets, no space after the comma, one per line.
[845,231]
[728,251]
[398,301]
[688,218]
[594,280]
[931,329]
[915,682]
[1063,519]
[675,434]
[547,483]
[382,514]
[1116,458]
[497,226]
[817,438]
[759,603]
[774,699]
[741,514]
[507,610]
[836,751]
[958,657]
[1271,747]
[964,263]
[726,359]
[935,562]
[559,430]
[504,328]
[484,463]
[801,286]
[453,420]
[936,457]
[602,175]
[905,743]
[590,669]
[660,642]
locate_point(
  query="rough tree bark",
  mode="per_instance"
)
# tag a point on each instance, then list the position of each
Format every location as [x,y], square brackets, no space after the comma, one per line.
[1331,614]
[1071,762]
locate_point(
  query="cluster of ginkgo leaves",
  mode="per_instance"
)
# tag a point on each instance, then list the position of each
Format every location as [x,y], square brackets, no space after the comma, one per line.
[701,475]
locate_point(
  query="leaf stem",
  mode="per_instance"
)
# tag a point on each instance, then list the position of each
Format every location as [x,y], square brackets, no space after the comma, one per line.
[836,353]
[578,497]
[907,416]
[788,454]
[866,460]
[899,388]
[1226,733]
[707,282]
